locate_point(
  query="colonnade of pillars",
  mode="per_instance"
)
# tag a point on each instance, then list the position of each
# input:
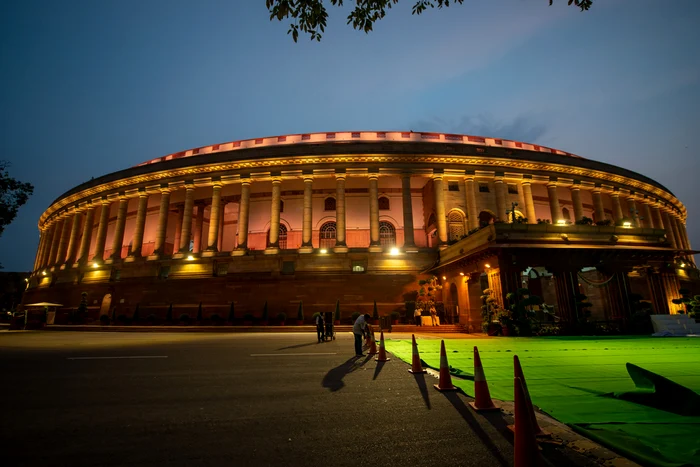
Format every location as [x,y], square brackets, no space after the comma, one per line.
[59,246]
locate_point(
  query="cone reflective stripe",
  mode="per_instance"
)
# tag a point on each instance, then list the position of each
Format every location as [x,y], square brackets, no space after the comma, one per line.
[482,396]
[526,451]
[518,372]
[372,346]
[382,350]
[445,381]
[415,364]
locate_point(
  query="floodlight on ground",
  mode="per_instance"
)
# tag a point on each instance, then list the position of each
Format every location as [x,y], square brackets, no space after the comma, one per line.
[461,273]
[682,265]
[444,278]
[394,251]
[627,224]
[43,273]
[487,265]
[323,251]
[190,258]
[94,265]
[561,222]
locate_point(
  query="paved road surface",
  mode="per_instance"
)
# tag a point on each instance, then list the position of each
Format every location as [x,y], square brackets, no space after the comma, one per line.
[104,399]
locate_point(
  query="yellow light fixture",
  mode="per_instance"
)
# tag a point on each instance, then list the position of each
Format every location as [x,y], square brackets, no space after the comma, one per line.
[682,265]
[444,278]
[26,280]
[394,251]
[627,224]
[94,265]
[323,251]
[43,273]
[487,265]
[190,258]
[561,222]
[461,273]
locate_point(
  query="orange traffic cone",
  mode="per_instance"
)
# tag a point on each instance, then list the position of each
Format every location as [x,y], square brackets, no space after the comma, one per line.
[482,396]
[527,452]
[372,346]
[382,350]
[445,381]
[416,366]
[518,372]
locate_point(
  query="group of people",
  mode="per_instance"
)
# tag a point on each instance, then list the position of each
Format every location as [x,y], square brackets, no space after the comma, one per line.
[418,314]
[323,331]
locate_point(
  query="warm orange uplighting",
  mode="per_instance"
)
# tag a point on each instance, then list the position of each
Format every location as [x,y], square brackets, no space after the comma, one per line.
[323,251]
[561,222]
[94,265]
[394,251]
[627,225]
[190,258]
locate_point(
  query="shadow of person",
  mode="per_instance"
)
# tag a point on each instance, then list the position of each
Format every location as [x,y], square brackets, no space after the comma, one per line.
[468,416]
[423,387]
[333,380]
[298,345]
[378,369]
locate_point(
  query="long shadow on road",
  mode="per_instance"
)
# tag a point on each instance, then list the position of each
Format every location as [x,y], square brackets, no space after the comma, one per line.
[333,380]
[468,416]
[299,345]
[423,387]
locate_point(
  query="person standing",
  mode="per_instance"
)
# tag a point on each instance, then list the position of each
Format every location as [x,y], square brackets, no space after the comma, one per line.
[418,316]
[433,315]
[358,330]
[319,328]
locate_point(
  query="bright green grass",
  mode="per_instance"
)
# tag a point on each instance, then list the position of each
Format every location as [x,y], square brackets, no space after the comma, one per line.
[566,376]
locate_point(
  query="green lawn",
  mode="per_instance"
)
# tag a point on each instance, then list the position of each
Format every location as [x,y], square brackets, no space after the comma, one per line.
[566,377]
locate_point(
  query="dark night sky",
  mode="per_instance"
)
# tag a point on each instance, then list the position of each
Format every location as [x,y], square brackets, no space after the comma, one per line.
[91,87]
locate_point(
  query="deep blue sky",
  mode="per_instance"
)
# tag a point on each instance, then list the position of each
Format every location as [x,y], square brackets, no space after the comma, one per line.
[93,87]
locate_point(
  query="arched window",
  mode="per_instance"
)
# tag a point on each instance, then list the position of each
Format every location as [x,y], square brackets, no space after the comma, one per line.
[565,214]
[281,239]
[326,235]
[384,203]
[387,234]
[329,204]
[455,228]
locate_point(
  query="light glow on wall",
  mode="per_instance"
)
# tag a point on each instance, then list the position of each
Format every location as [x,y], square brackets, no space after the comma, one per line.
[394,251]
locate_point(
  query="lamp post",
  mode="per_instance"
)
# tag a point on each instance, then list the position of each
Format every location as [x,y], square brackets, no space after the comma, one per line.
[512,212]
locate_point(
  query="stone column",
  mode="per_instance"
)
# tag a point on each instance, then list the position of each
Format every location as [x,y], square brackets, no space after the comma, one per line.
[598,207]
[63,242]
[118,240]
[340,245]
[186,231]
[53,251]
[656,214]
[40,248]
[409,242]
[243,209]
[554,209]
[275,217]
[576,199]
[73,242]
[440,208]
[529,202]
[470,195]
[374,244]
[680,244]
[648,218]
[632,208]
[137,239]
[670,235]
[198,227]
[501,207]
[214,219]
[84,251]
[162,227]
[306,224]
[222,219]
[617,208]
[686,240]
[178,228]
[46,254]
[102,232]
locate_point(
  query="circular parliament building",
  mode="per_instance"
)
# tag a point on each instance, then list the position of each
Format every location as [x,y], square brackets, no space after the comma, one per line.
[359,217]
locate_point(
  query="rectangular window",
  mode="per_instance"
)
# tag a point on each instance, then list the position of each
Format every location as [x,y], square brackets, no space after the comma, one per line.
[512,189]
[452,186]
[484,188]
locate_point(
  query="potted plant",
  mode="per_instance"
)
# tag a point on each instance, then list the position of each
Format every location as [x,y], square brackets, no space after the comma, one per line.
[300,314]
[375,315]
[281,318]
[216,320]
[135,317]
[169,314]
[263,318]
[395,318]
[489,309]
[184,319]
[231,314]
[337,313]
[199,313]
[248,319]
[152,319]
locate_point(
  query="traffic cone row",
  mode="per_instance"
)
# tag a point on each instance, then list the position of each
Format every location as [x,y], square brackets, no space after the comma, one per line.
[415,364]
[382,350]
[526,451]
[445,381]
[372,346]
[518,373]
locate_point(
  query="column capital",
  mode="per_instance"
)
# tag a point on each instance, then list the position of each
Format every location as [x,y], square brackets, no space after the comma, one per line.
[469,178]
[246,181]
[276,180]
[575,188]
[552,184]
[373,176]
[437,176]
[308,178]
[142,193]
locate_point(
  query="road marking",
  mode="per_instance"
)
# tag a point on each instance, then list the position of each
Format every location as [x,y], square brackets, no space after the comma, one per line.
[291,354]
[116,358]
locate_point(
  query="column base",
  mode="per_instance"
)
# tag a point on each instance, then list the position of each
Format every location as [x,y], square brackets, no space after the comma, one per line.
[375,249]
[272,250]
[340,249]
[443,246]
[239,252]
[180,255]
[132,259]
[209,253]
[306,249]
[113,261]
[154,257]
[410,249]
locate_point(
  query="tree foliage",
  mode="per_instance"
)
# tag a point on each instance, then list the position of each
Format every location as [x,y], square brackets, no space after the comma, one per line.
[13,194]
[310,16]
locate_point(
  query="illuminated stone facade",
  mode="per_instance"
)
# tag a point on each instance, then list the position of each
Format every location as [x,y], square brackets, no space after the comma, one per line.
[354,216]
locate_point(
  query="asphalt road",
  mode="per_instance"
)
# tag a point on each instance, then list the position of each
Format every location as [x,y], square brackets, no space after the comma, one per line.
[103,399]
